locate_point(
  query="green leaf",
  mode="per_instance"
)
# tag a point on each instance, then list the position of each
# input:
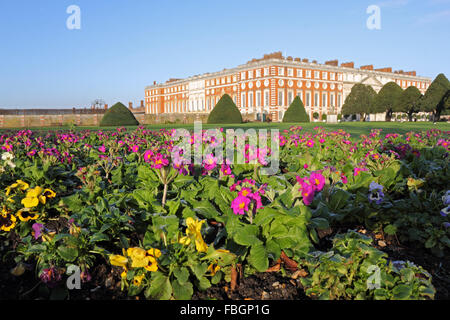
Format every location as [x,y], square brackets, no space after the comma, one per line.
[258,258]
[160,287]
[430,243]
[339,199]
[98,237]
[402,292]
[320,223]
[67,253]
[390,229]
[247,236]
[182,274]
[182,291]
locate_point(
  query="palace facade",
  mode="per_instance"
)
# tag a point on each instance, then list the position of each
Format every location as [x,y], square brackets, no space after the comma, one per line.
[266,87]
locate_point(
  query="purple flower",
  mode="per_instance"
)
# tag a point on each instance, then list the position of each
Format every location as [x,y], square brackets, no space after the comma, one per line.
[50,276]
[446,198]
[37,228]
[376,193]
[444,212]
[317,180]
[307,194]
[240,205]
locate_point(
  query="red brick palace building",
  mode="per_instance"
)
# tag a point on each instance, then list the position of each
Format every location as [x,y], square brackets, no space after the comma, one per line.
[266,87]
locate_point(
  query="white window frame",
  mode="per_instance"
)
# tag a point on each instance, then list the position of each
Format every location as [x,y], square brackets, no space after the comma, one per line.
[290,97]
[299,73]
[280,103]
[290,72]
[266,97]
[258,98]
[308,99]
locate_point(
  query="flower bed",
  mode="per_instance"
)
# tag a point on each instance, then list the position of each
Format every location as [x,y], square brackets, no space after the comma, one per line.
[134,221]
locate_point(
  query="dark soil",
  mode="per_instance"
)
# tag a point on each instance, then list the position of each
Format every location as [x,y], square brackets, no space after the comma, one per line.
[260,286]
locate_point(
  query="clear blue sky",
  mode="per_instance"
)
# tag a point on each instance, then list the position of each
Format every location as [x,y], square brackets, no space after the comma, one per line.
[124,45]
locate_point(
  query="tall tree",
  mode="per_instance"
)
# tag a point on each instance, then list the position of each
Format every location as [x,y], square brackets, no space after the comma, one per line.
[434,98]
[409,102]
[359,101]
[387,99]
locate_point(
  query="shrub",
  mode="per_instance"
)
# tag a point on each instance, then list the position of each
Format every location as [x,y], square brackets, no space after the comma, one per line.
[324,117]
[296,112]
[118,115]
[225,111]
[316,115]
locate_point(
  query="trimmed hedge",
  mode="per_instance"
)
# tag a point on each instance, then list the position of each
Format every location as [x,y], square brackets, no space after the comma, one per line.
[225,111]
[296,112]
[118,115]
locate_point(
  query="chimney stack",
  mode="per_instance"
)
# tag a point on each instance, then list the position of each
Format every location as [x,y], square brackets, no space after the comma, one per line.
[348,64]
[368,67]
[130,105]
[142,103]
[387,69]
[332,63]
[106,106]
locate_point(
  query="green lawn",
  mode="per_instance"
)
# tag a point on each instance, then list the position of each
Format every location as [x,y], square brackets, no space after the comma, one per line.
[354,128]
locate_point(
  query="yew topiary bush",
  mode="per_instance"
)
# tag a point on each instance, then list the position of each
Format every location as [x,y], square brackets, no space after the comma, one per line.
[225,111]
[118,115]
[296,112]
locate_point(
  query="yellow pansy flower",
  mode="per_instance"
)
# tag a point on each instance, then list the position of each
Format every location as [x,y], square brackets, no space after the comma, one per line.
[185,240]
[154,252]
[213,268]
[152,266]
[118,260]
[138,280]
[22,185]
[7,221]
[139,258]
[200,245]
[194,228]
[27,215]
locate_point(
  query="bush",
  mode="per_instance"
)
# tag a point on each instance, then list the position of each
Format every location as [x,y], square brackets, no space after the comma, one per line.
[324,117]
[118,115]
[296,112]
[316,115]
[225,111]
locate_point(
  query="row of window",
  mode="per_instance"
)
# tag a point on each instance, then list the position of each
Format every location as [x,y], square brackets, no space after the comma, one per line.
[406,84]
[257,99]
[309,99]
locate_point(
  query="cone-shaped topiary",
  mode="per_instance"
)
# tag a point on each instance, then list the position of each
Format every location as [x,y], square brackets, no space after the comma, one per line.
[225,111]
[118,115]
[296,112]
